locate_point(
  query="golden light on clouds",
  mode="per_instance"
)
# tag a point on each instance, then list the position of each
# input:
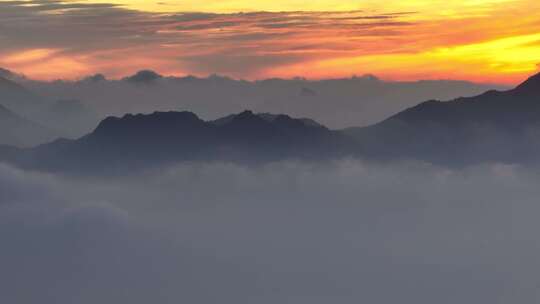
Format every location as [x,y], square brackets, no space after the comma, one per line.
[229,6]
[480,40]
[428,7]
[28,56]
[42,63]
[503,60]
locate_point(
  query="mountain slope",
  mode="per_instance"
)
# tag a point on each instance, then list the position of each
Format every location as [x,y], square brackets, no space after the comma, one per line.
[20,132]
[17,98]
[494,126]
[337,103]
[134,141]
[67,117]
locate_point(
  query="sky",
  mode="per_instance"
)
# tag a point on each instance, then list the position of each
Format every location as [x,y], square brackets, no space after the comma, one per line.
[491,41]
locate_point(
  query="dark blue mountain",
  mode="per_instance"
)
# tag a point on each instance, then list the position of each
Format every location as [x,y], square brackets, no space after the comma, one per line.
[494,126]
[500,126]
[138,141]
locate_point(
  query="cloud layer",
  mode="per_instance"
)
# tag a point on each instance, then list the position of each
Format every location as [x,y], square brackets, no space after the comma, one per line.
[346,232]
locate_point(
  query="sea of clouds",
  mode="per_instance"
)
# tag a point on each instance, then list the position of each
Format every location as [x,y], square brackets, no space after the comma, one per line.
[346,231]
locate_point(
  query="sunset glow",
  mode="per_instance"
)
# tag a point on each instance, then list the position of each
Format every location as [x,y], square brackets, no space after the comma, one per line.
[483,40]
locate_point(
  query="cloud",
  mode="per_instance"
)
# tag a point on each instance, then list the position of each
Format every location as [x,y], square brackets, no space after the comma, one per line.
[346,232]
[112,39]
[336,103]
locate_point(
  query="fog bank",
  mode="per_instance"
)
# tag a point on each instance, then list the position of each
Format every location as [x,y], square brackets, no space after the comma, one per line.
[343,232]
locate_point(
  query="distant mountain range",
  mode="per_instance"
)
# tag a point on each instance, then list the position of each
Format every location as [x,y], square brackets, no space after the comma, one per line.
[502,126]
[28,119]
[17,98]
[336,103]
[494,126]
[18,131]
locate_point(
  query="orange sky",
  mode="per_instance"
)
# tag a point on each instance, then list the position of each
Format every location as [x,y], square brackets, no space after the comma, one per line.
[478,40]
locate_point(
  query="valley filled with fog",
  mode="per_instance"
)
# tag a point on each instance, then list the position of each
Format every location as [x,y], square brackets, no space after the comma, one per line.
[343,231]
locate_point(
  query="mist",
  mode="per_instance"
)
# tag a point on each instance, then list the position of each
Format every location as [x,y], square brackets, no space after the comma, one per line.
[345,231]
[336,103]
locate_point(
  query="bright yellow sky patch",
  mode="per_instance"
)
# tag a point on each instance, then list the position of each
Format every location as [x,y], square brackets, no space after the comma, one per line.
[502,60]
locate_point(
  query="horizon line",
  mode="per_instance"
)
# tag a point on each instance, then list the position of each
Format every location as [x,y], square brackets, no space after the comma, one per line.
[13,75]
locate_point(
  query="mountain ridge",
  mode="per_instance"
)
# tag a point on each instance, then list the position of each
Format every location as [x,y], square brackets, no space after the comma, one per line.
[500,126]
[143,140]
[493,126]
[531,85]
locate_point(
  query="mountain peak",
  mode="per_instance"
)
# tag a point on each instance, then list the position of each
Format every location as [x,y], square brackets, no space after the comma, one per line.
[530,86]
[245,113]
[247,119]
[143,76]
[160,121]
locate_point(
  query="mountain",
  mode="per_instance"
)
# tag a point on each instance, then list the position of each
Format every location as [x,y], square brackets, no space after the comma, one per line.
[143,77]
[10,75]
[270,118]
[494,126]
[17,98]
[139,141]
[67,117]
[20,132]
[336,103]
[497,126]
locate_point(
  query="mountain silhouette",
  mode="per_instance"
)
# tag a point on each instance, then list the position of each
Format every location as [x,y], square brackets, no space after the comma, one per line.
[336,103]
[270,117]
[142,140]
[494,126]
[497,126]
[143,77]
[530,87]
